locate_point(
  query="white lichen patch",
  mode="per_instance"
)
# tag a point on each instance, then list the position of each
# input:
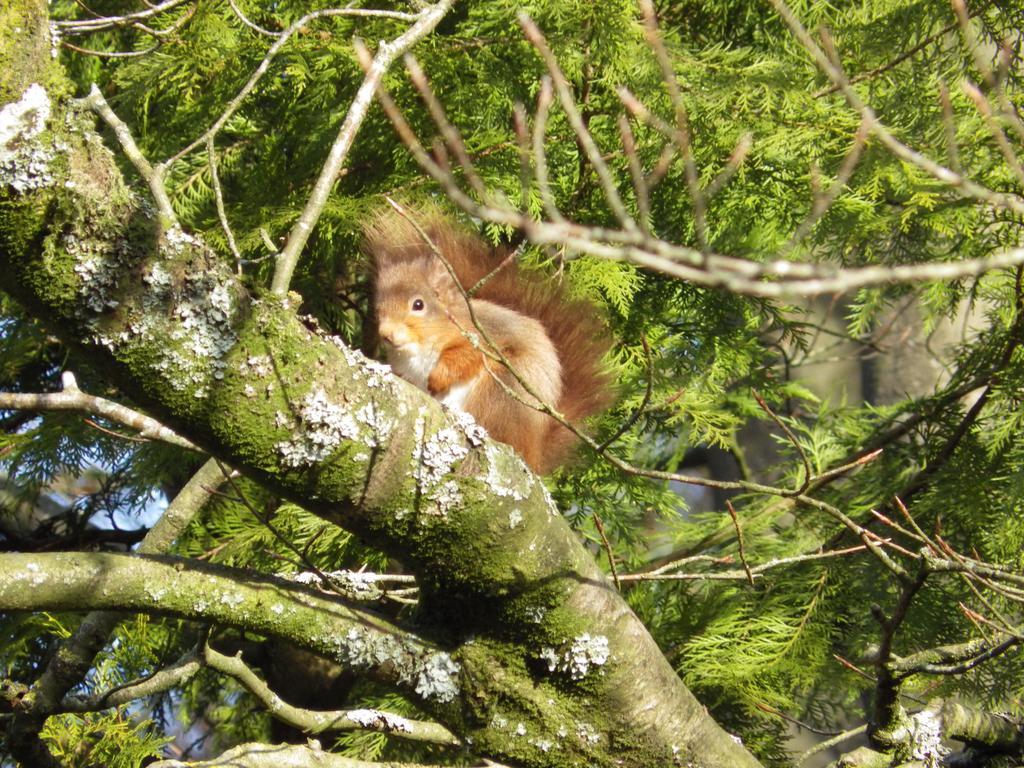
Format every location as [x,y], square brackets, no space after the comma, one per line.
[377,421]
[507,475]
[259,366]
[432,674]
[204,329]
[156,594]
[379,721]
[446,497]
[323,426]
[438,678]
[98,273]
[433,461]
[54,40]
[177,241]
[536,614]
[375,374]
[24,159]
[577,657]
[33,574]
[544,745]
[188,320]
[440,453]
[515,517]
[232,599]
[355,585]
[587,733]
[926,733]
[474,433]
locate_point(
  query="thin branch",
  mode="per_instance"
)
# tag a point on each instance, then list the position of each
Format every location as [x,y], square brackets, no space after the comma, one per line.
[681,135]
[984,108]
[221,213]
[76,652]
[829,743]
[599,524]
[822,202]
[949,127]
[249,23]
[174,676]
[792,439]
[109,54]
[540,121]
[315,722]
[260,755]
[387,52]
[153,175]
[73,399]
[891,64]
[739,541]
[773,279]
[664,573]
[264,65]
[566,99]
[643,193]
[450,134]
[639,411]
[81,26]
[952,659]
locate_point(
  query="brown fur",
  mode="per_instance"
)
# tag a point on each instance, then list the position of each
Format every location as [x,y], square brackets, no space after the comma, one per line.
[573,327]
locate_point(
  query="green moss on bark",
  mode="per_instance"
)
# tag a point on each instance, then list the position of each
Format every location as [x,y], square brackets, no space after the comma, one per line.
[25,51]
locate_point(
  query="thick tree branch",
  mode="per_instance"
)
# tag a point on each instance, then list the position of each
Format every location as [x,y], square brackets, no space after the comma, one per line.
[280,756]
[202,592]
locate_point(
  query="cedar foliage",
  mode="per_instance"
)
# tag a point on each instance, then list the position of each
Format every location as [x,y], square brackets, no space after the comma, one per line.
[746,652]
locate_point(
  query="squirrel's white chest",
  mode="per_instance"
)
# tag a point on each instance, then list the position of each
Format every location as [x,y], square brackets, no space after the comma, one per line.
[414,363]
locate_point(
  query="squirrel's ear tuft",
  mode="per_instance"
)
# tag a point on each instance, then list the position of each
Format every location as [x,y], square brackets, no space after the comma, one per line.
[392,239]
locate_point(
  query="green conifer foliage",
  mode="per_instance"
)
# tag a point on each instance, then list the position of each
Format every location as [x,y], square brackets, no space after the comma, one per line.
[770,636]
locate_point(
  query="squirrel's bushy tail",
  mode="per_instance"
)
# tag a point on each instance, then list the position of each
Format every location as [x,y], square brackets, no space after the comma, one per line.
[573,325]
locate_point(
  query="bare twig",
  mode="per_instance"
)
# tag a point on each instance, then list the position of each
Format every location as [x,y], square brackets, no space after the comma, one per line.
[667,573]
[739,541]
[681,135]
[831,68]
[387,52]
[73,399]
[314,722]
[161,681]
[822,202]
[568,102]
[82,26]
[221,213]
[153,175]
[248,22]
[639,411]
[792,439]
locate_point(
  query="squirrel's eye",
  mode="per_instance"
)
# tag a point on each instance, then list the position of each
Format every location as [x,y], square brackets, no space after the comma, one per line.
[417,305]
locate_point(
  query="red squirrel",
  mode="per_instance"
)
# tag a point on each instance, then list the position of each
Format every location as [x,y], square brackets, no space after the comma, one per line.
[555,343]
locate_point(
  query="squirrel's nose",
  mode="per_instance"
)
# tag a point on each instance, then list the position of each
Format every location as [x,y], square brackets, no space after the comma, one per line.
[387,332]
